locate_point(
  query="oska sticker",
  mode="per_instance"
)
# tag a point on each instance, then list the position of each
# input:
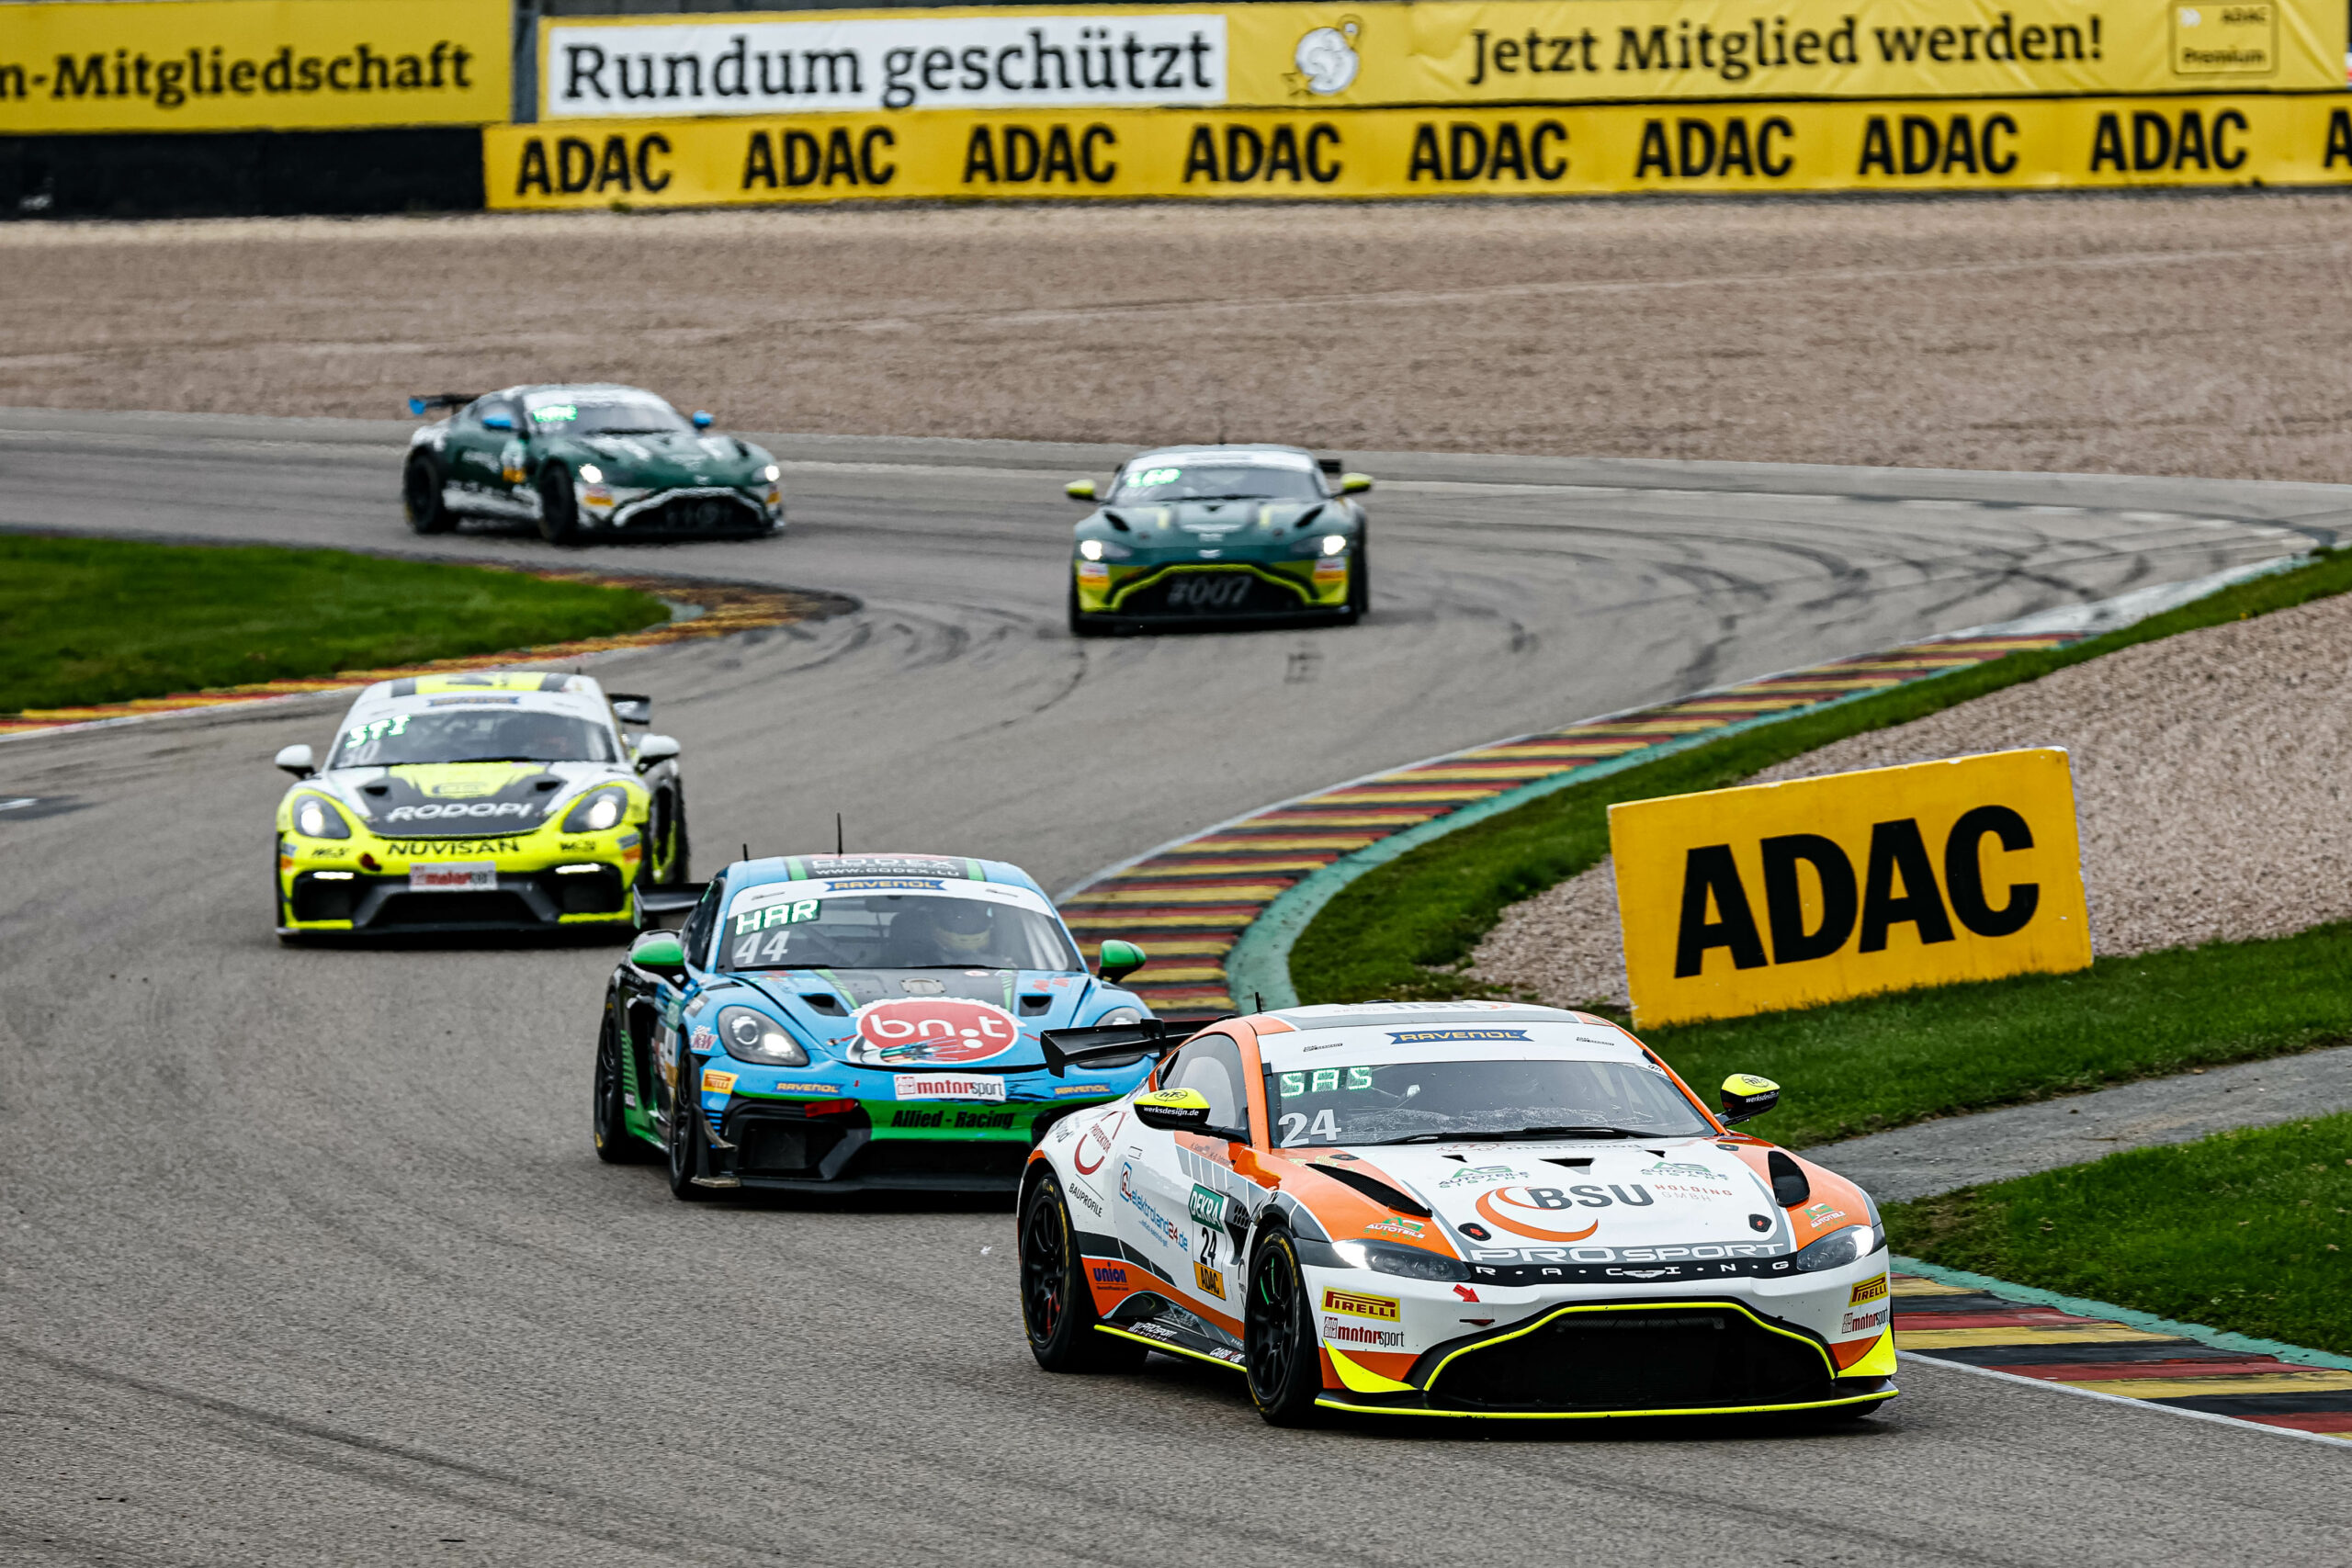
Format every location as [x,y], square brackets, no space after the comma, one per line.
[909,1032]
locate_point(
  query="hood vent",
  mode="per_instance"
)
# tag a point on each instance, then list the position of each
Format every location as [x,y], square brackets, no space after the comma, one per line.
[1790,1187]
[1309,515]
[824,1002]
[1117,520]
[1379,1191]
[1575,1163]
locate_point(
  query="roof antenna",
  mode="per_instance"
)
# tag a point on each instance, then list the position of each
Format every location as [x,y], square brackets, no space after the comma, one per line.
[746,851]
[1257,1001]
[837,850]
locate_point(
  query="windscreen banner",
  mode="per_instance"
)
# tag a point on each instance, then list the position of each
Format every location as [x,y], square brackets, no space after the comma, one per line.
[1446,52]
[252,65]
[1283,154]
[1770,896]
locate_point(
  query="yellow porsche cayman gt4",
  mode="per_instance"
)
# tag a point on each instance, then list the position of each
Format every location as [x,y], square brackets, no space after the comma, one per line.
[497,800]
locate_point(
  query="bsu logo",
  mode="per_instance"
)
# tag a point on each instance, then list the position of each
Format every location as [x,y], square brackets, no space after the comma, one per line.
[1897,885]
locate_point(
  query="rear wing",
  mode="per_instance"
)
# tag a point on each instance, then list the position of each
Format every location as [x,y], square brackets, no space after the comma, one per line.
[656,904]
[421,406]
[1115,1044]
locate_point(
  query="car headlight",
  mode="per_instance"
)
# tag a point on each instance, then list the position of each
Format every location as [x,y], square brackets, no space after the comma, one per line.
[1382,1257]
[772,473]
[1118,1015]
[597,810]
[314,819]
[1840,1248]
[752,1037]
[592,473]
[1091,549]
[1334,543]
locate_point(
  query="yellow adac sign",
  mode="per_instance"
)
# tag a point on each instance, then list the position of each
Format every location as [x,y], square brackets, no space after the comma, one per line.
[252,65]
[1289,154]
[1752,900]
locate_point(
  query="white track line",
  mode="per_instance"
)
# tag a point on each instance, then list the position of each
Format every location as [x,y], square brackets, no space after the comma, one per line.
[2339,1443]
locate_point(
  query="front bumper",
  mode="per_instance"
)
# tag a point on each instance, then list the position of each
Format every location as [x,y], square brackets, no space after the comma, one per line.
[848,1145]
[687,509]
[1177,592]
[363,885]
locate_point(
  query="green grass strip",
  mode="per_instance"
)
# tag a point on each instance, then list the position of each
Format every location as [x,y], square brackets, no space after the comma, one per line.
[1859,1066]
[2234,1231]
[85,621]
[1393,931]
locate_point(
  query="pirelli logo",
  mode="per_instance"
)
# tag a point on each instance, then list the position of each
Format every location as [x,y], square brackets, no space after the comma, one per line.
[1360,1305]
[1868,1291]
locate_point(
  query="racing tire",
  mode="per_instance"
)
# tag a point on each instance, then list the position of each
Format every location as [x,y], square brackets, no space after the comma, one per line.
[688,1140]
[1359,587]
[558,507]
[421,496]
[1278,1345]
[1081,624]
[616,1144]
[677,866]
[1058,1314]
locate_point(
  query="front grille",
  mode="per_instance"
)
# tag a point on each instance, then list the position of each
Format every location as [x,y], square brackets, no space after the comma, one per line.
[1199,592]
[1666,1358]
[925,1157]
[597,892]
[316,900]
[777,1147]
[700,515]
[482,908]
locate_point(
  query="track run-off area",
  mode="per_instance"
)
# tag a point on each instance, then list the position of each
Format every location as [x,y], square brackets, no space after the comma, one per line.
[307,1257]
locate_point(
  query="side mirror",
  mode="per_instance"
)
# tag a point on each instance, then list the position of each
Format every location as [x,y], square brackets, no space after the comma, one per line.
[659,952]
[630,708]
[299,762]
[1079,489]
[652,748]
[497,422]
[1173,1110]
[1120,959]
[1354,484]
[1746,1096]
[702,419]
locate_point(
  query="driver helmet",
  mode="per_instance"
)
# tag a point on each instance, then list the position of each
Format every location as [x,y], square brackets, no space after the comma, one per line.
[961,925]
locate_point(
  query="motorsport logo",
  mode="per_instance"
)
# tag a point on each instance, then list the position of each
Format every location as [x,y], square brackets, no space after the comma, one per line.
[1480,1175]
[906,1031]
[455,808]
[1207,1207]
[1451,1037]
[1358,1305]
[1363,1336]
[1153,1219]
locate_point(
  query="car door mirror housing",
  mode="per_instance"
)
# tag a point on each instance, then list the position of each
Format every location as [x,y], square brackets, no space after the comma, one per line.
[630,708]
[1079,489]
[652,748]
[659,952]
[702,419]
[1746,1096]
[1174,1110]
[497,422]
[298,760]
[1354,484]
[1121,959]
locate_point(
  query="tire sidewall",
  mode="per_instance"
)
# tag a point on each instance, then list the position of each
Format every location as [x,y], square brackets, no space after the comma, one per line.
[1293,1403]
[682,1144]
[432,516]
[557,482]
[1057,1346]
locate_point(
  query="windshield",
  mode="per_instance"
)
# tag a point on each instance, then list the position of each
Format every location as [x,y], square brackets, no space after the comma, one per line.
[1396,1103]
[638,416]
[894,930]
[1228,482]
[492,735]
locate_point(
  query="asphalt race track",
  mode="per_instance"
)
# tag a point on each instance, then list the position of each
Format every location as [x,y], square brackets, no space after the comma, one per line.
[307,1257]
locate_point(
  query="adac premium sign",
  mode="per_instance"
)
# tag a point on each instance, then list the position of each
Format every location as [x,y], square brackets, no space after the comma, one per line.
[252,65]
[1778,896]
[1441,52]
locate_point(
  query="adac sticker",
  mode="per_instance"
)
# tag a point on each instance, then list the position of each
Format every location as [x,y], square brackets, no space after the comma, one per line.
[909,1032]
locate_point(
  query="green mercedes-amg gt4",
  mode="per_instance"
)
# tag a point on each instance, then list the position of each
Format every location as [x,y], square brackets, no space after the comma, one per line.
[1232,535]
[586,462]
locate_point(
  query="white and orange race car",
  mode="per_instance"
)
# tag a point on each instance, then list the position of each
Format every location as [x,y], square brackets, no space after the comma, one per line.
[1469,1209]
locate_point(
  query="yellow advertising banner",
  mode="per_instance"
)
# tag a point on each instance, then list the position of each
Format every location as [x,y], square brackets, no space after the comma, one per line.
[252,65]
[1980,144]
[1751,900]
[1439,53]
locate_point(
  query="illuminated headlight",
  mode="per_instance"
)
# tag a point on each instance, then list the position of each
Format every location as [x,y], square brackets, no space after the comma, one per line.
[597,810]
[772,473]
[1840,1248]
[751,1036]
[1118,1015]
[592,473]
[1334,543]
[314,819]
[1091,549]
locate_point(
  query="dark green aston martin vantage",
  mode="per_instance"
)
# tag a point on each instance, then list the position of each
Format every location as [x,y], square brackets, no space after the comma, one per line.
[1220,534]
[586,462]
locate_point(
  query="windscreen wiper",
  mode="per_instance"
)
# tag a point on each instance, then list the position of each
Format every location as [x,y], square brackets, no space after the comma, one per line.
[1498,1135]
